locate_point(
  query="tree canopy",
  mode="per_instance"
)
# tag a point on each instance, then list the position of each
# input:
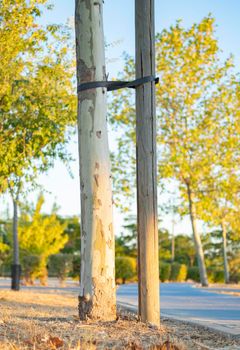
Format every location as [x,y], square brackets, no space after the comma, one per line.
[198,121]
[37,96]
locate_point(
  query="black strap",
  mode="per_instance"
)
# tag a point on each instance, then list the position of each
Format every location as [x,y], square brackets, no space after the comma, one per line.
[115,85]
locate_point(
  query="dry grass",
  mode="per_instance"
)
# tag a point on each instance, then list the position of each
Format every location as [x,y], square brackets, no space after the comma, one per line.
[43,321]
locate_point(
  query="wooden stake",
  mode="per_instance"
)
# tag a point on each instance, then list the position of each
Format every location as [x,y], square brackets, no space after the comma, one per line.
[149,308]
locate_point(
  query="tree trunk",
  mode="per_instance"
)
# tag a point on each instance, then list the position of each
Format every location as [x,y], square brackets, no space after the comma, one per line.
[172,249]
[149,308]
[173,244]
[224,238]
[97,299]
[16,268]
[197,239]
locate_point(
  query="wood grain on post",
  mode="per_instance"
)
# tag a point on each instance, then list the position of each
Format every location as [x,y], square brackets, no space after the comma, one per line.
[149,308]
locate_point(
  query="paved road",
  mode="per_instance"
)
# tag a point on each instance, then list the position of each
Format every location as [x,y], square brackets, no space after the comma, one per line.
[178,300]
[185,302]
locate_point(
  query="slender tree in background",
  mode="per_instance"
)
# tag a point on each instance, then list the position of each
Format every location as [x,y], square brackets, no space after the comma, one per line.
[173,241]
[19,35]
[16,267]
[220,193]
[217,211]
[148,266]
[37,101]
[220,208]
[97,299]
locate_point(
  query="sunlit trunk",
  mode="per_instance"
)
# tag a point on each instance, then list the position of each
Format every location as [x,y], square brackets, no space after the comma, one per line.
[16,268]
[172,244]
[225,260]
[197,239]
[97,299]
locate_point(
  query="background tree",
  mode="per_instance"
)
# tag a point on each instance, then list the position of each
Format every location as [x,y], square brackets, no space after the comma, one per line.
[40,236]
[73,231]
[126,243]
[125,268]
[191,76]
[185,252]
[19,37]
[37,104]
[60,265]
[4,246]
[220,201]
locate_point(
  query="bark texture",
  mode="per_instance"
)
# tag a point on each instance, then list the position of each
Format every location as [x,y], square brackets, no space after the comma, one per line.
[149,308]
[173,242]
[16,268]
[97,298]
[225,260]
[197,239]
[172,249]
[15,234]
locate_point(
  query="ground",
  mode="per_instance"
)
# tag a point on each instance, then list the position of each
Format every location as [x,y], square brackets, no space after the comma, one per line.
[47,320]
[184,301]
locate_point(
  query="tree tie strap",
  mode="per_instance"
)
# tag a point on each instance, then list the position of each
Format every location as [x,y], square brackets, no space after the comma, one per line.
[115,85]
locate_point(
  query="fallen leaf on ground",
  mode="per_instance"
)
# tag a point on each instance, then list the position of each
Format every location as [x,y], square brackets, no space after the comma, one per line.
[56,342]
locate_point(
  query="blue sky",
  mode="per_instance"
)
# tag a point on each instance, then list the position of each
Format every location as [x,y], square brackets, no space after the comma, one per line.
[119,29]
[119,20]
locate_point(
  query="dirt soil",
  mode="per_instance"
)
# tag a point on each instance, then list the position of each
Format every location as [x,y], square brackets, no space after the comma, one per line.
[43,321]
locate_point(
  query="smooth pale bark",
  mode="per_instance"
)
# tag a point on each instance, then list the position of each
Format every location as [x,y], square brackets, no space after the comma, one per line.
[149,308]
[173,243]
[97,299]
[197,239]
[16,268]
[225,260]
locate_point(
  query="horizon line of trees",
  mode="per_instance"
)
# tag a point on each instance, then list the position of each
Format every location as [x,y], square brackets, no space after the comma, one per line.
[50,246]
